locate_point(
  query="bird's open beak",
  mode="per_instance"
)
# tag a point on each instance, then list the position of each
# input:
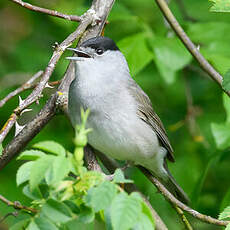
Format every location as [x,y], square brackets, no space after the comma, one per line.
[81,55]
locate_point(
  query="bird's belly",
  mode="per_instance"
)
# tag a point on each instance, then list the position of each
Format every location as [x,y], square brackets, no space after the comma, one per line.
[123,137]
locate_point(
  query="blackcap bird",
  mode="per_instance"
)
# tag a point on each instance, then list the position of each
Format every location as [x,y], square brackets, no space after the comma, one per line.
[125,126]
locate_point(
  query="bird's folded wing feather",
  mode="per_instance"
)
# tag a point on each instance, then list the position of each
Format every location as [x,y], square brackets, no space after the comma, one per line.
[147,114]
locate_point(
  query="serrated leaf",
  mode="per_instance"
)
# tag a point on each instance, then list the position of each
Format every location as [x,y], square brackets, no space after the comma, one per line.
[170,57]
[100,197]
[40,167]
[51,147]
[225,214]
[56,211]
[59,169]
[226,81]
[136,52]
[45,224]
[23,173]
[125,211]
[30,155]
[220,6]
[221,133]
[119,177]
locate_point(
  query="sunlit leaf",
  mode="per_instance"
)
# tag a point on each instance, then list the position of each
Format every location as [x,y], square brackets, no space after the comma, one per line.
[220,6]
[225,215]
[100,197]
[125,211]
[30,155]
[50,146]
[221,133]
[23,173]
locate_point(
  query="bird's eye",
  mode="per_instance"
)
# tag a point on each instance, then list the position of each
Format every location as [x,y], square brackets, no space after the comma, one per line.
[99,51]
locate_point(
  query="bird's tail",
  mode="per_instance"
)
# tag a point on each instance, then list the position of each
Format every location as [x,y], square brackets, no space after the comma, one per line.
[172,186]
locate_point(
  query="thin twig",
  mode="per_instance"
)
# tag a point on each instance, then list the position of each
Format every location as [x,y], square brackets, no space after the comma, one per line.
[173,200]
[17,205]
[15,214]
[37,92]
[32,128]
[25,86]
[47,11]
[183,217]
[189,44]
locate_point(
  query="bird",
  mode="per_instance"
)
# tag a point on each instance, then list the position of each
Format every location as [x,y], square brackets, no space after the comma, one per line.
[124,123]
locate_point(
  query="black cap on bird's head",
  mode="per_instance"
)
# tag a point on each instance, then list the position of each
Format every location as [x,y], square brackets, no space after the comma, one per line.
[93,47]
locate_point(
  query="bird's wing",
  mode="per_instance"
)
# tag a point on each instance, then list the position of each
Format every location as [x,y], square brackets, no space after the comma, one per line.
[147,114]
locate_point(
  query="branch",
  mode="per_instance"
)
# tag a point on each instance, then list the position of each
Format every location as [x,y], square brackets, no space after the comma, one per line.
[189,45]
[25,86]
[47,11]
[179,204]
[101,8]
[17,205]
[37,92]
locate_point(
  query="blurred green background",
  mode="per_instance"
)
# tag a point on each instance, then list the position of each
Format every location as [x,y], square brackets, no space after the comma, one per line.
[187,101]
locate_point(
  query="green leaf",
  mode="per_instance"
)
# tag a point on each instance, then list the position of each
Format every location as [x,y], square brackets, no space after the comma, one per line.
[225,215]
[125,211]
[56,211]
[136,52]
[30,155]
[100,197]
[221,133]
[34,195]
[220,6]
[147,212]
[77,225]
[20,224]
[88,180]
[45,224]
[226,81]
[51,147]
[144,223]
[119,177]
[228,227]
[40,167]
[86,215]
[23,173]
[58,169]
[32,226]
[226,103]
[1,149]
[170,57]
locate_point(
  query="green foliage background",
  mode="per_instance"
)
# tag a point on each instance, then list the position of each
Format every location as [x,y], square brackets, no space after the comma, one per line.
[157,60]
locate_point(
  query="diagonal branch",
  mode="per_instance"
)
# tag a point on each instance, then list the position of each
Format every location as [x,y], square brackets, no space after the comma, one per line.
[37,92]
[101,8]
[174,201]
[25,86]
[47,11]
[189,44]
[17,205]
